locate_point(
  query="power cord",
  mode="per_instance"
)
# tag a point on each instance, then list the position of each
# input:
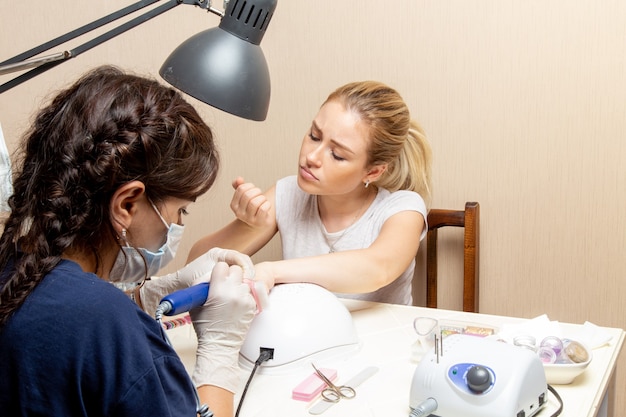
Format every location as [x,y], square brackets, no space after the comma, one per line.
[265,355]
[558,397]
[425,408]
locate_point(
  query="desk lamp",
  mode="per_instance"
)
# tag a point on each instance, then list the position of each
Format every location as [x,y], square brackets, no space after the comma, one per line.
[223,66]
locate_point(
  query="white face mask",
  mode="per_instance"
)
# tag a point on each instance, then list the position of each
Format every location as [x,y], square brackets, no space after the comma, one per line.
[133,265]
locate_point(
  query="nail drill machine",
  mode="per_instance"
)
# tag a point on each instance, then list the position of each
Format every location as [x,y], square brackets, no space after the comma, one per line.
[469,376]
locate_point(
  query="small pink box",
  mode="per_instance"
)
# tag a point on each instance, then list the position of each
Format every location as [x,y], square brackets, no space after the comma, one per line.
[312,385]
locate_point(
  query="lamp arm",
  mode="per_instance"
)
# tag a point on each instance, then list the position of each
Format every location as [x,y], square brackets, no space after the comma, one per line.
[43,64]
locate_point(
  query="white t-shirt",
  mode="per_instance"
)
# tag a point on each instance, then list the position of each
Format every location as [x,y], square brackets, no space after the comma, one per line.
[303,233]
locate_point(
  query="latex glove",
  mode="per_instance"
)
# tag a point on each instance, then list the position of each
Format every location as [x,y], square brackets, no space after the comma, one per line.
[195,272]
[221,325]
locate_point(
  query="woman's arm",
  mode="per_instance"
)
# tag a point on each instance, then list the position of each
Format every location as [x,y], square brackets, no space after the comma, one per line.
[254,226]
[354,271]
[220,400]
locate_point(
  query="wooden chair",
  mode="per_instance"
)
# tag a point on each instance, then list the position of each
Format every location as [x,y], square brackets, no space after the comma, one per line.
[469,219]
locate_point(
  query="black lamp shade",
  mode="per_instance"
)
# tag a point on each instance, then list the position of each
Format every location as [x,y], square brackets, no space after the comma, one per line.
[225,66]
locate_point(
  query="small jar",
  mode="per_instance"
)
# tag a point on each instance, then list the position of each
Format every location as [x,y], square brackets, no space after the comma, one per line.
[546,354]
[526,342]
[576,352]
[554,343]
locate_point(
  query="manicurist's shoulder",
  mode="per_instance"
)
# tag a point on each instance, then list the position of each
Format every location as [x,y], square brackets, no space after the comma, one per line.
[67,294]
[93,290]
[106,355]
[83,307]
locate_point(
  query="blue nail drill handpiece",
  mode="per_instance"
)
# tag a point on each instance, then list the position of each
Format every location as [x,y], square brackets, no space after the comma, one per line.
[184,300]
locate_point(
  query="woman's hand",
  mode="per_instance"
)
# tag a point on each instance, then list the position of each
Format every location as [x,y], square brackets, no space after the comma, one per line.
[250,205]
[263,272]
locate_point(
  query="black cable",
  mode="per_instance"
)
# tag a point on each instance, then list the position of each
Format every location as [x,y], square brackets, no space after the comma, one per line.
[425,408]
[266,354]
[558,397]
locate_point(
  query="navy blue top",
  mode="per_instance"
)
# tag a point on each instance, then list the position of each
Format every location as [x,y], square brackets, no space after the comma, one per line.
[78,346]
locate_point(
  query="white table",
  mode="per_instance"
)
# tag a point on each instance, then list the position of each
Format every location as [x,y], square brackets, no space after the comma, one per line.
[386,336]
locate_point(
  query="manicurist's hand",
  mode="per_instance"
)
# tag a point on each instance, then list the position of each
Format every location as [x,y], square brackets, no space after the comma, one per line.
[221,325]
[195,272]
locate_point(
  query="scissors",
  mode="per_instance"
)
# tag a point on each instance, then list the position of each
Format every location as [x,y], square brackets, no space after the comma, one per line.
[334,393]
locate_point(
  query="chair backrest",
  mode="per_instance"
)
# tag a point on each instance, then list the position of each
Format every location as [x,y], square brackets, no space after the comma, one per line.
[469,219]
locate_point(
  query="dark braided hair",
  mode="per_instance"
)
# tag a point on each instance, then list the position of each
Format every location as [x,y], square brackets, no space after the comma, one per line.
[105,130]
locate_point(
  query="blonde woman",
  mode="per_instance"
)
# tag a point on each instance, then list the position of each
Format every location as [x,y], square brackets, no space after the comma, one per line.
[352,218]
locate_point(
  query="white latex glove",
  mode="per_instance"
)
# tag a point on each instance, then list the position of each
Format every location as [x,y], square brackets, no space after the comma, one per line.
[221,325]
[195,272]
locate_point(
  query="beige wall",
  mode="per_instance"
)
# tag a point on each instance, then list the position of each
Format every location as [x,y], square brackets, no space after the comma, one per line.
[524,102]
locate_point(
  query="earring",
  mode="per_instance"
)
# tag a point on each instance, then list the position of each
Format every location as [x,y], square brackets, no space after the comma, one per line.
[367,183]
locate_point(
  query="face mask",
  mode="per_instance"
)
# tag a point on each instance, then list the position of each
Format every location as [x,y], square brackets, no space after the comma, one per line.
[129,270]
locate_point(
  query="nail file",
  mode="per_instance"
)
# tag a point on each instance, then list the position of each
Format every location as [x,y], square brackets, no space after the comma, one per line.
[313,385]
[323,405]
